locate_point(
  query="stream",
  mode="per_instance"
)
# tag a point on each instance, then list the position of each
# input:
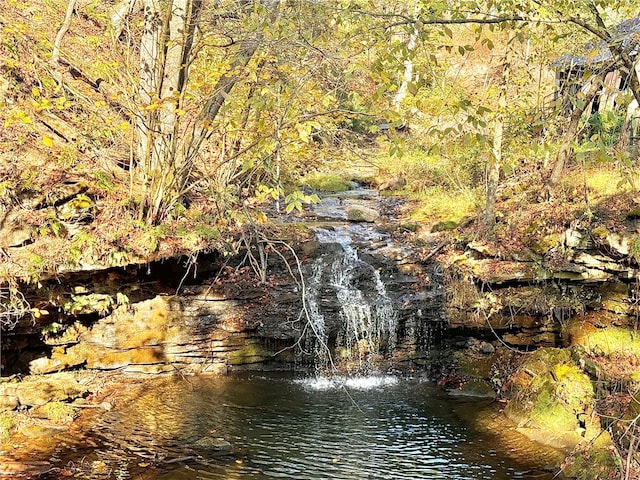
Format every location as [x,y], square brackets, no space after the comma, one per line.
[283,426]
[365,301]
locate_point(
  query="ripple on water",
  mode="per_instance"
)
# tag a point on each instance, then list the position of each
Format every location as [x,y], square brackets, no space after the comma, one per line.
[343,428]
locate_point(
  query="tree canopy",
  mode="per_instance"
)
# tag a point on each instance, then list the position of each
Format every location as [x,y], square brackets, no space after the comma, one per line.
[199,114]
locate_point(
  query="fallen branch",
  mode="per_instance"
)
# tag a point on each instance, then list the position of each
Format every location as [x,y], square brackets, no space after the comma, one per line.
[440,246]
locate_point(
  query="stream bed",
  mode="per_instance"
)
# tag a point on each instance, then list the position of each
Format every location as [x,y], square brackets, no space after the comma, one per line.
[280,426]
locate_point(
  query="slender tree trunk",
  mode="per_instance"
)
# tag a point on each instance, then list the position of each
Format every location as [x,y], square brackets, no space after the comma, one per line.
[201,130]
[165,148]
[149,83]
[55,54]
[494,163]
[565,151]
[494,160]
[408,67]
[166,52]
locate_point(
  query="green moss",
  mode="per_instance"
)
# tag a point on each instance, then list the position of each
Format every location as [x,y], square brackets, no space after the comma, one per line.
[612,342]
[545,244]
[6,425]
[58,412]
[251,353]
[326,182]
[634,248]
[600,232]
[445,225]
[634,213]
[550,393]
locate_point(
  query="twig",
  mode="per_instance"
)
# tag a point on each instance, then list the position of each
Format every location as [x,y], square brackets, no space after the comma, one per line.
[437,249]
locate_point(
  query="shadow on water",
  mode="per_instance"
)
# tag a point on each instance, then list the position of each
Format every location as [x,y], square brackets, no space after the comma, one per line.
[295,428]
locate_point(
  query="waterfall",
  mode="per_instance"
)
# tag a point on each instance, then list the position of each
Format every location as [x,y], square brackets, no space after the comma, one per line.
[363,320]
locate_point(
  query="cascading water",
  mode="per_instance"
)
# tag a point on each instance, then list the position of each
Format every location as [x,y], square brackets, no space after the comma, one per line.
[370,303]
[367,316]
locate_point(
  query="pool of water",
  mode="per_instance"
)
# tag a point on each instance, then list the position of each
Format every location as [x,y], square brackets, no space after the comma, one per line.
[302,428]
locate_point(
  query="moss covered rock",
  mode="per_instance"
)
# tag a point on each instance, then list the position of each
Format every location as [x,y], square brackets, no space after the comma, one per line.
[552,399]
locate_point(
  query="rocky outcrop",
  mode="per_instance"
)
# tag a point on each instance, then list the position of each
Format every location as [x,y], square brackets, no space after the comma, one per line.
[133,320]
[563,319]
[38,391]
[530,301]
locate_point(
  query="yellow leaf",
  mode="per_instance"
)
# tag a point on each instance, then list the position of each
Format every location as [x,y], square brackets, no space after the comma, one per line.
[143,464]
[35,91]
[124,126]
[37,312]
[24,118]
[48,141]
[261,217]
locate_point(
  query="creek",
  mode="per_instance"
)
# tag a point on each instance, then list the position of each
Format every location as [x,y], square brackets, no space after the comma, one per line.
[280,426]
[368,306]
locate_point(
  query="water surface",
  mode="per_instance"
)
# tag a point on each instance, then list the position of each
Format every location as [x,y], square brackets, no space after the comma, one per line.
[318,428]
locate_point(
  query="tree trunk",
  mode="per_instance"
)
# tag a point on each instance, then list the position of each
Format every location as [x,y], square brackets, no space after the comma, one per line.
[494,161]
[565,151]
[248,46]
[120,15]
[149,83]
[201,130]
[165,55]
[55,54]
[166,149]
[408,67]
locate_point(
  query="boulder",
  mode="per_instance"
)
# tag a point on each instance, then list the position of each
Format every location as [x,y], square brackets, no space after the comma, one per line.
[552,400]
[217,444]
[358,213]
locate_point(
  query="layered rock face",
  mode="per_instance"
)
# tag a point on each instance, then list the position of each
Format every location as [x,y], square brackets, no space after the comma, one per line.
[555,333]
[536,300]
[133,320]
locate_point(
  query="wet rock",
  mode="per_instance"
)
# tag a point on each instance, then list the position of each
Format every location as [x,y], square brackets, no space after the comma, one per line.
[358,213]
[217,444]
[487,348]
[38,391]
[474,387]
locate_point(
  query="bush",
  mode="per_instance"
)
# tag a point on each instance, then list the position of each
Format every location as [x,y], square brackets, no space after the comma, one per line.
[605,127]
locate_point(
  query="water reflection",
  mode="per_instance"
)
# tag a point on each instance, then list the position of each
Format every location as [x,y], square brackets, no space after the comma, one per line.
[375,428]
